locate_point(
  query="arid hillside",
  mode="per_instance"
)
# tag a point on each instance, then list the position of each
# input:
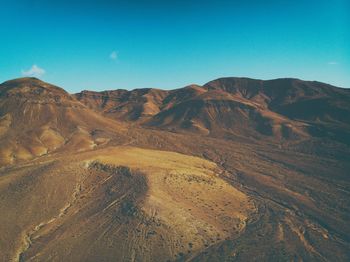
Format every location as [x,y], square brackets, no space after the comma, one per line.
[278,109]
[37,118]
[234,170]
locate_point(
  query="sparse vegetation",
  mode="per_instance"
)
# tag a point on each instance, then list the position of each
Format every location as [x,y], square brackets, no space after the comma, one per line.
[252,175]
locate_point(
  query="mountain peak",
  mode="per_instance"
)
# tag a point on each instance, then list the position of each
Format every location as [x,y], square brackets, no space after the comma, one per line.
[31,87]
[23,81]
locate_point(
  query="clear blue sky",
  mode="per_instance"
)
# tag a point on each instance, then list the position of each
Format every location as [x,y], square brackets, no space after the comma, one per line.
[168,44]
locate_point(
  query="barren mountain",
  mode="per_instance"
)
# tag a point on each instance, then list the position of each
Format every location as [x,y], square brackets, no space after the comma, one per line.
[235,170]
[324,108]
[281,108]
[37,118]
[135,105]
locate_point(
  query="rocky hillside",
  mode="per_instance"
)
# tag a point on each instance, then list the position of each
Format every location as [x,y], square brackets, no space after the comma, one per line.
[37,118]
[284,109]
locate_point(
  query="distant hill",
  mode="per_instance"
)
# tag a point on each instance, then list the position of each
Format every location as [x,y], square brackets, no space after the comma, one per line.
[280,109]
[135,105]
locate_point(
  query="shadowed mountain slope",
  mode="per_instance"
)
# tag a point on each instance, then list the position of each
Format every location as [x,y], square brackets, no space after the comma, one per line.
[324,108]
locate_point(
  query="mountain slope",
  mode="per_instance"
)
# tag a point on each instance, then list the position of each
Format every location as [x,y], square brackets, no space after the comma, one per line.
[283,109]
[135,105]
[242,178]
[37,118]
[216,112]
[156,209]
[324,108]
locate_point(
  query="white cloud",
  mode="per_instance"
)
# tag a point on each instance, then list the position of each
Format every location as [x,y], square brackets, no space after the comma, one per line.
[113,55]
[34,71]
[332,63]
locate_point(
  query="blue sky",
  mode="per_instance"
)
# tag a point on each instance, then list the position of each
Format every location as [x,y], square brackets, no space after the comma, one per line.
[108,44]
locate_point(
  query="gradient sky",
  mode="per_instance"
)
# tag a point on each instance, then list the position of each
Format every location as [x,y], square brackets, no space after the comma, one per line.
[105,44]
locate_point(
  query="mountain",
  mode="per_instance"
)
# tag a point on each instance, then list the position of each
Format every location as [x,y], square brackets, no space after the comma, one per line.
[135,105]
[37,118]
[324,108]
[282,109]
[237,169]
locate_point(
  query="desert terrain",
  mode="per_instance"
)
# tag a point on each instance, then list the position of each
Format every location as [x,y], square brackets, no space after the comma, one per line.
[235,170]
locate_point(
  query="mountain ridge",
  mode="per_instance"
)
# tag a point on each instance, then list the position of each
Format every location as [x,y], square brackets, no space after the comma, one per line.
[234,170]
[273,106]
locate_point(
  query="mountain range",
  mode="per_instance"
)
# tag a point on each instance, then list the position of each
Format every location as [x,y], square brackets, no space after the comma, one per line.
[237,169]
